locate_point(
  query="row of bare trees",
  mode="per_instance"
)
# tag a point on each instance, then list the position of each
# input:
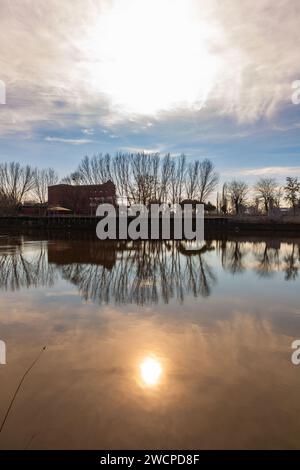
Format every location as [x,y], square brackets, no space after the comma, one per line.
[17,182]
[139,178]
[145,178]
[267,194]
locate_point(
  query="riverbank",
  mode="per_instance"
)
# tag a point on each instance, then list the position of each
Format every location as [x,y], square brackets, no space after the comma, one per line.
[219,224]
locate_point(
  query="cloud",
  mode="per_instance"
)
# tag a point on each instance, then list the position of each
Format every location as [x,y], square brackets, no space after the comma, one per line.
[272,170]
[88,131]
[57,60]
[250,175]
[142,150]
[69,141]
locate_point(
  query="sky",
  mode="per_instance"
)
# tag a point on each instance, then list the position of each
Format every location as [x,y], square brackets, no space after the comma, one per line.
[213,79]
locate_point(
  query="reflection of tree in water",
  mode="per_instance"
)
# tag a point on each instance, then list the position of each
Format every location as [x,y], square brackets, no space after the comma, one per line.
[292,263]
[232,256]
[271,259]
[146,274]
[268,257]
[139,272]
[18,269]
[268,260]
[198,272]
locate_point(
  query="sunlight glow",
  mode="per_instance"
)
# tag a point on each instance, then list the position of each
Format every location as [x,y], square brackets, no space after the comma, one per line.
[155,55]
[151,370]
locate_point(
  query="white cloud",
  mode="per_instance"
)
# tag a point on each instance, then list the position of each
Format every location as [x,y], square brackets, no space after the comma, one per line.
[61,69]
[142,150]
[251,174]
[69,141]
[271,170]
[88,131]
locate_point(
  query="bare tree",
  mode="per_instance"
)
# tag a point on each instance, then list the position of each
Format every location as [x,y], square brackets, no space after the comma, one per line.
[144,172]
[43,179]
[84,172]
[165,178]
[177,179]
[208,179]
[237,191]
[292,191]
[192,179]
[94,170]
[266,189]
[101,168]
[121,175]
[16,181]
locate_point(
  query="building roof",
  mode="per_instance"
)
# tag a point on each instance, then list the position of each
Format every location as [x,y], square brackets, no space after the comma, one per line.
[65,185]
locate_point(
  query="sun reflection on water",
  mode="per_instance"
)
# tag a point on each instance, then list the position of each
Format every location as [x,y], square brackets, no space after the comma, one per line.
[150,370]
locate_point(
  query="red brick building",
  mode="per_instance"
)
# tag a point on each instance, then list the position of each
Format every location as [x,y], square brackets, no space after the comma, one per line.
[81,199]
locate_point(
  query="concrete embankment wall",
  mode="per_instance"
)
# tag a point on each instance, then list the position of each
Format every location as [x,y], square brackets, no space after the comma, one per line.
[78,223]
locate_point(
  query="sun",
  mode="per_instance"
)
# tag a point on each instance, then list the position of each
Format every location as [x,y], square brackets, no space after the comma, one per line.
[152,55]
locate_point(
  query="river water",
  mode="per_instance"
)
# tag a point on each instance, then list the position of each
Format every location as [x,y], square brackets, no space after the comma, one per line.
[149,345]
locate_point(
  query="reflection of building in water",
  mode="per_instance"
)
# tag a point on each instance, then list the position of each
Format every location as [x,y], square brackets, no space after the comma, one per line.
[273,243]
[83,252]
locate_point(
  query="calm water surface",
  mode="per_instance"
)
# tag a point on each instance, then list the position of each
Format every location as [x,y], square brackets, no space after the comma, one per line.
[150,345]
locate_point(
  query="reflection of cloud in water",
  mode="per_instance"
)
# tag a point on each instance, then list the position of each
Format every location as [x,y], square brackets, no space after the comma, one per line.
[207,374]
[227,385]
